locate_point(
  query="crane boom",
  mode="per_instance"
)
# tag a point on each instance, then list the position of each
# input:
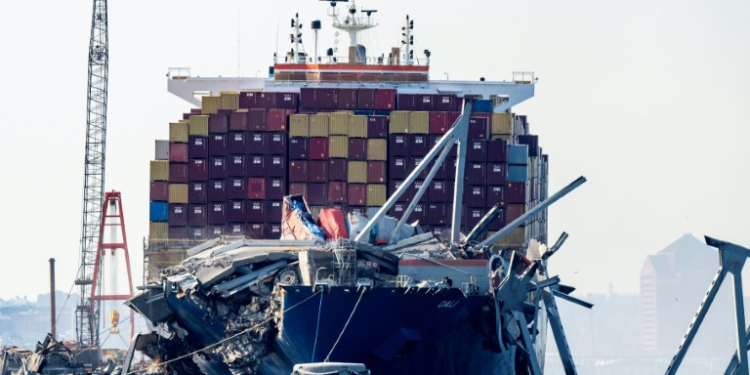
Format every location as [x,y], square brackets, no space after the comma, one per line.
[87,311]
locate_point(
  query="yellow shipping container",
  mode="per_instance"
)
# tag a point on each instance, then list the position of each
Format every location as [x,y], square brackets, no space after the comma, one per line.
[338,147]
[377,149]
[419,123]
[358,127]
[501,123]
[230,100]
[376,195]
[160,170]
[339,124]
[357,172]
[319,125]
[199,125]
[399,122]
[210,105]
[178,193]
[299,126]
[158,232]
[179,132]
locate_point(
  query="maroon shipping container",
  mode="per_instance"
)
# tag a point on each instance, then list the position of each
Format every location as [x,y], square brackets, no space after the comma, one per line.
[277,120]
[275,188]
[442,172]
[237,166]
[496,151]
[198,170]
[236,212]
[357,149]
[328,98]
[425,102]
[249,99]
[276,166]
[419,213]
[497,174]
[256,166]
[277,143]
[499,222]
[446,102]
[479,127]
[217,168]
[178,152]
[452,117]
[439,192]
[415,162]
[273,211]
[287,100]
[438,122]
[337,192]
[238,121]
[477,151]
[257,143]
[514,211]
[398,210]
[217,145]
[217,191]
[178,173]
[473,217]
[309,98]
[218,123]
[298,189]
[298,148]
[217,214]
[197,233]
[272,231]
[419,144]
[317,171]
[416,186]
[407,102]
[385,99]
[237,143]
[178,233]
[298,171]
[317,194]
[434,139]
[255,231]
[347,99]
[366,99]
[237,188]
[195,111]
[437,214]
[398,145]
[178,215]
[256,188]
[476,173]
[198,147]
[267,100]
[198,192]
[234,229]
[515,192]
[256,211]
[475,196]
[159,191]
[338,170]
[377,127]
[399,167]
[495,195]
[257,120]
[393,185]
[357,195]
[450,166]
[318,148]
[377,172]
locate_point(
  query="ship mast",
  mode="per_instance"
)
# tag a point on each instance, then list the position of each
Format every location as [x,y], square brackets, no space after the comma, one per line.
[352,24]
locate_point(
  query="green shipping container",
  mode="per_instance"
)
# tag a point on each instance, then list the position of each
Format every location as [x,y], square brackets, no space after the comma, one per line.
[419,123]
[338,147]
[319,125]
[377,149]
[299,126]
[339,124]
[178,193]
[179,132]
[399,122]
[376,195]
[198,125]
[358,127]
[516,238]
[357,172]
[160,170]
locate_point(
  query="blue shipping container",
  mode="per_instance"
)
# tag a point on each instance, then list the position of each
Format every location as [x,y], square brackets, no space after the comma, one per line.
[518,154]
[517,173]
[483,106]
[159,211]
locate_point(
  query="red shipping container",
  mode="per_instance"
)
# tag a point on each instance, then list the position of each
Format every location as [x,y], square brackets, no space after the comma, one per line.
[255,231]
[178,215]
[338,170]
[277,120]
[407,102]
[272,231]
[445,102]
[237,166]
[277,143]
[347,99]
[198,147]
[515,192]
[317,194]
[237,188]
[337,192]
[366,99]
[333,224]
[178,173]
[198,170]
[357,195]
[452,117]
[159,191]
[298,189]
[273,211]
[376,172]
[218,123]
[479,128]
[198,192]
[249,99]
[357,149]
[197,215]
[398,145]
[497,174]
[317,171]
[178,152]
[217,214]
[385,99]
[256,166]
[217,191]
[275,188]
[476,173]
[318,148]
[287,100]
[475,196]
[309,98]
[237,143]
[257,120]
[178,233]
[257,143]
[397,210]
[495,195]
[439,122]
[267,100]
[497,151]
[477,151]
[514,211]
[298,171]
[234,229]
[298,148]
[236,212]
[328,98]
[256,188]
[238,121]
[419,144]
[217,145]
[377,127]
[217,168]
[256,211]
[439,192]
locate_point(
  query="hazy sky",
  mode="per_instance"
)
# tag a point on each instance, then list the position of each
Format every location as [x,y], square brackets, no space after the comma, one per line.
[647,99]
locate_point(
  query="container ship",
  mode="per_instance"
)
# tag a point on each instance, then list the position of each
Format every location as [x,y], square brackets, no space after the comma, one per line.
[277,213]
